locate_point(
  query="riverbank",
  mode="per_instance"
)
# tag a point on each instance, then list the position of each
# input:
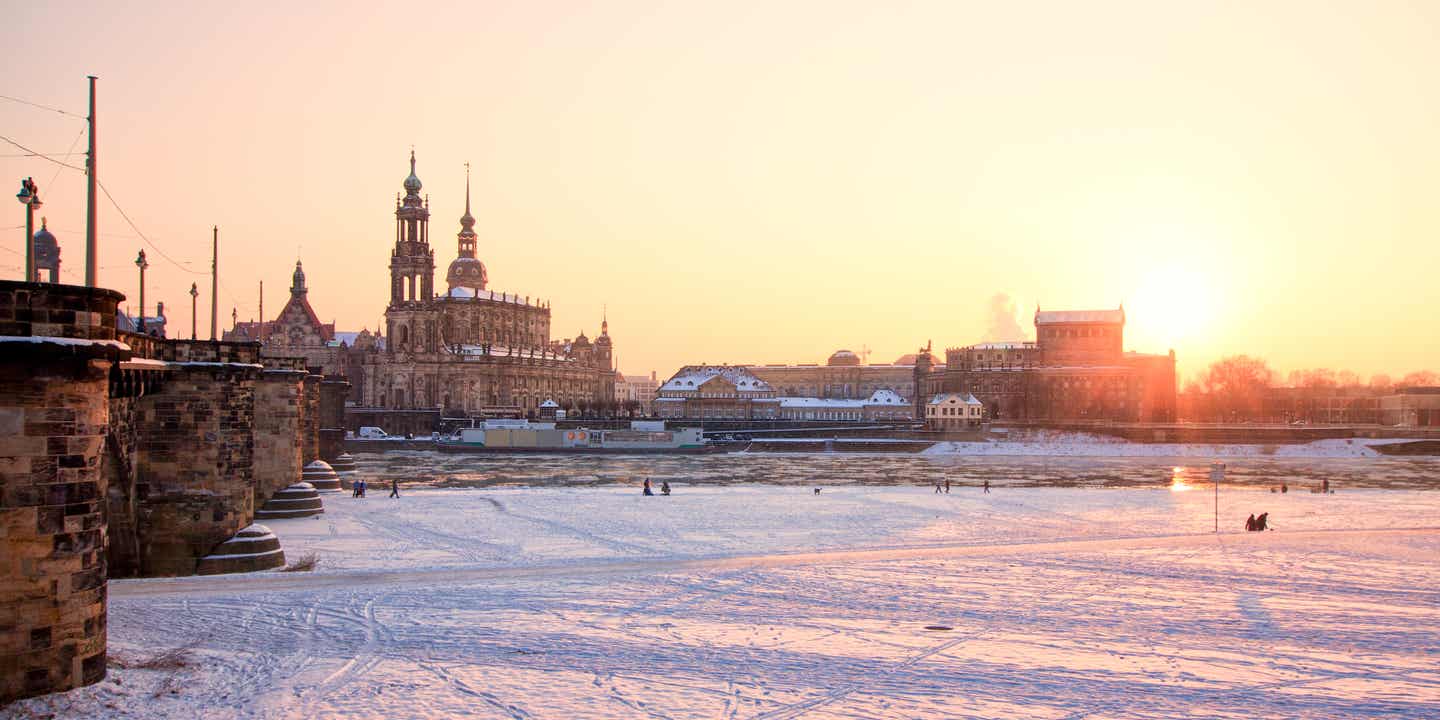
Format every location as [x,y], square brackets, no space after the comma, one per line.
[762,601]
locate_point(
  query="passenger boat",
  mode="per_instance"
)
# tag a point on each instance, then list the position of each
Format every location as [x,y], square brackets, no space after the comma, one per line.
[521,436]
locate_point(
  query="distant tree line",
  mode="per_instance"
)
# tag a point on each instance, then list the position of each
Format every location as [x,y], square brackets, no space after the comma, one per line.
[1237,388]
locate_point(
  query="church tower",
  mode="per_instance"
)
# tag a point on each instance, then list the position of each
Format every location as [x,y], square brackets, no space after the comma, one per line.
[412,262]
[466,277]
[604,350]
[412,272]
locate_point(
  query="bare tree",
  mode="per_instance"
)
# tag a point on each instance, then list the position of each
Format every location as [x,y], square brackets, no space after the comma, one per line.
[1315,378]
[1381,383]
[1420,378]
[1236,386]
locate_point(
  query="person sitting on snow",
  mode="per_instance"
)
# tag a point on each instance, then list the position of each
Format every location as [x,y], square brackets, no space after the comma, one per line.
[664,487]
[1250,523]
[1260,522]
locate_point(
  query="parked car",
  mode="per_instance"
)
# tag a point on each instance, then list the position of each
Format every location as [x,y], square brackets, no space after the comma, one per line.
[369,432]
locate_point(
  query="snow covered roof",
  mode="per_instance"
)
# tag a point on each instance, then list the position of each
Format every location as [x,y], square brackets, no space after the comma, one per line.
[464,293]
[885,396]
[691,377]
[1053,317]
[955,398]
[879,397]
[549,404]
[1020,345]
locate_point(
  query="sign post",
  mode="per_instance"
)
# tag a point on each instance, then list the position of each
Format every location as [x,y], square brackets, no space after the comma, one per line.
[1217,473]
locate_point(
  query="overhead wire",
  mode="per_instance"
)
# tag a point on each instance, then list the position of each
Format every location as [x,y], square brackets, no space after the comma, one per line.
[41,155]
[147,240]
[42,107]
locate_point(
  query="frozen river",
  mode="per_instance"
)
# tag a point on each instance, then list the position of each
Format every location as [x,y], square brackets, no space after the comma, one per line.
[520,587]
[455,470]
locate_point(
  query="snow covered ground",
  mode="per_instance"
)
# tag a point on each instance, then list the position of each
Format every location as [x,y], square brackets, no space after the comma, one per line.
[1063,444]
[762,601]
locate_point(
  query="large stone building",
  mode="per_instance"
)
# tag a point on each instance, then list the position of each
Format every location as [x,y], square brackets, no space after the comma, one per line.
[471,350]
[1076,369]
[842,377]
[736,392]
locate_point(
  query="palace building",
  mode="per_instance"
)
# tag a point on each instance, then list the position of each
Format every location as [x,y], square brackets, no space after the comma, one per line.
[471,350]
[1076,369]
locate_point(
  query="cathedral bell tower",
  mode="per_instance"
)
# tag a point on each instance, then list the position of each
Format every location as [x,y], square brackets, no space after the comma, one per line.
[412,272]
[412,262]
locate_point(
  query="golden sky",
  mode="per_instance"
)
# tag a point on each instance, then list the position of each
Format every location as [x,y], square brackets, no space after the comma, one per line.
[770,181]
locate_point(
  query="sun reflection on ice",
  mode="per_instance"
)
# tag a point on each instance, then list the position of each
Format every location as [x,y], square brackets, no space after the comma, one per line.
[1177,480]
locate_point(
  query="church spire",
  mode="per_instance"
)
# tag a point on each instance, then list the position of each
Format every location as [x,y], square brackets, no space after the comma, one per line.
[467,223]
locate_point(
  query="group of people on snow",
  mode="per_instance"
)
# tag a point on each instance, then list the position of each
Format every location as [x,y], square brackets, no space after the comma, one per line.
[664,487]
[1258,524]
[357,488]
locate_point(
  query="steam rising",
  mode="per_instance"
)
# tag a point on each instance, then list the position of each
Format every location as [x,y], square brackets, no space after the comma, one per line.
[1003,326]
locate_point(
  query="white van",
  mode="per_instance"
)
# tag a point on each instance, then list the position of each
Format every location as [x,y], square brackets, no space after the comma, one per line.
[372,433]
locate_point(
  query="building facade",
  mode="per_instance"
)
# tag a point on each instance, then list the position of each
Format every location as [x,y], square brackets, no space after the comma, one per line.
[880,406]
[725,392]
[842,377]
[954,411]
[1412,407]
[1076,369]
[637,389]
[471,350]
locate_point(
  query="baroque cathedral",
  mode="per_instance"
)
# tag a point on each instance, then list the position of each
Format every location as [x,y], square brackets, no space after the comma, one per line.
[470,350]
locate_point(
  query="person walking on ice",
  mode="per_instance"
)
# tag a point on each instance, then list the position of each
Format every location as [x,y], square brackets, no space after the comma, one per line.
[937,488]
[395,487]
[987,486]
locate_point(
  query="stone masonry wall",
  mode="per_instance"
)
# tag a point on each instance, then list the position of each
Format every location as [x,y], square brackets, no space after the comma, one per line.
[194,462]
[310,420]
[279,400]
[53,414]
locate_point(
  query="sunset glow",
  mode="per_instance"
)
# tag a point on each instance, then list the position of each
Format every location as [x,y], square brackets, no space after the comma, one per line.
[1108,154]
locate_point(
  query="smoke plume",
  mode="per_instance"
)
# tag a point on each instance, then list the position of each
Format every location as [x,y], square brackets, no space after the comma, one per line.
[1001,316]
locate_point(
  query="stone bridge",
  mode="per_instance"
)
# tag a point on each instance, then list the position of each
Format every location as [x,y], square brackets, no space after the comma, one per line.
[126,455]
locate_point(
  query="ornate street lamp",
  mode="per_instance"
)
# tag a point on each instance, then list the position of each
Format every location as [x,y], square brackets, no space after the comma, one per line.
[140,263]
[29,196]
[194,293]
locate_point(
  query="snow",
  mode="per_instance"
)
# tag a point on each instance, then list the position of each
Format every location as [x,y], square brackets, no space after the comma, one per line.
[1048,317]
[1083,445]
[765,601]
[693,376]
[48,340]
[472,294]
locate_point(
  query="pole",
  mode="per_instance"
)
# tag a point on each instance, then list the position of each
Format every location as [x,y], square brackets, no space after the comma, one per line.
[261,331]
[1217,473]
[30,242]
[214,281]
[194,295]
[92,251]
[143,265]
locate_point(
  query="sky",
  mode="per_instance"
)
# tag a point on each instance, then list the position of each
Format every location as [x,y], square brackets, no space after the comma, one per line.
[755,182]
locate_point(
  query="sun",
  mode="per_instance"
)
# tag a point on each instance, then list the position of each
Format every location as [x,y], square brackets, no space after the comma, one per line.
[1172,305]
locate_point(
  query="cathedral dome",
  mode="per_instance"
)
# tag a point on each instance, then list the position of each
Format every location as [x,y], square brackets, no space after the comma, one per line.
[466,272]
[843,358]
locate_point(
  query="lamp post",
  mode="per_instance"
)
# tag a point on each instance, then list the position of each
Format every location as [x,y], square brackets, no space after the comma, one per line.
[140,263]
[29,196]
[194,293]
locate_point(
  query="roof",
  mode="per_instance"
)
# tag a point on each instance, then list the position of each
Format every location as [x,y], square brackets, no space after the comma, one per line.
[466,293]
[692,376]
[1054,317]
[879,397]
[965,398]
[1019,345]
